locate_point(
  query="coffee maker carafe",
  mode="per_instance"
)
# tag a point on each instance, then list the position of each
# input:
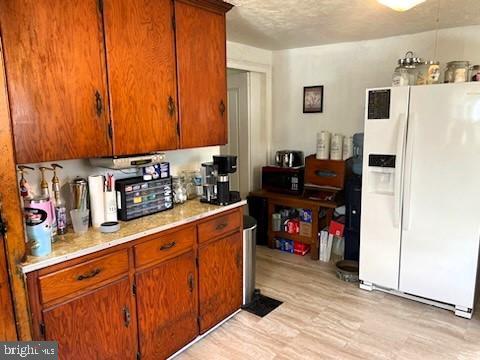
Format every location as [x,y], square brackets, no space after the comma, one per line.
[216,180]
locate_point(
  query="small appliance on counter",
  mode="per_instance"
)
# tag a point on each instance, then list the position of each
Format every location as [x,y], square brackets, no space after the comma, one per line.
[289,158]
[216,180]
[137,197]
[286,180]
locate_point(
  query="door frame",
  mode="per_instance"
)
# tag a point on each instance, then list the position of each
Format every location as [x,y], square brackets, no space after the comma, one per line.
[265,70]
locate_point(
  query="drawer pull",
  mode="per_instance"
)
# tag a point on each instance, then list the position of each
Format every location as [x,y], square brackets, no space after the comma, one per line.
[89,275]
[168,246]
[221,226]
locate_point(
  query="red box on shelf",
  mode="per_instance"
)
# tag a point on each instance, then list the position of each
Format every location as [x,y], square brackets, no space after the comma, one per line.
[300,248]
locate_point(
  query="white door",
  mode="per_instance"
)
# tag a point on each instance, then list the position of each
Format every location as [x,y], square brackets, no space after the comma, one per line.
[441,227]
[384,143]
[238,129]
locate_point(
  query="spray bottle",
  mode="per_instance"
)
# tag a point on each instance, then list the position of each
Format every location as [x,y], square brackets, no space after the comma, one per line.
[60,210]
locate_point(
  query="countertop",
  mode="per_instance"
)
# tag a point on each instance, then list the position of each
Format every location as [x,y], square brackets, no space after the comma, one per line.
[71,245]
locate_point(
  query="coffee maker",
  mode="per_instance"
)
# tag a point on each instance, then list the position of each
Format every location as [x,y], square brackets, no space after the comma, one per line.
[216,180]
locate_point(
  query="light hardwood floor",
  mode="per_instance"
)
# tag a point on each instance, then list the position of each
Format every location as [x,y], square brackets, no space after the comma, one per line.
[325,318]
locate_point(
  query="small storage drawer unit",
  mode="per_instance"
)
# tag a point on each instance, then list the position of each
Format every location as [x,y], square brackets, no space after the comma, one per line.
[81,276]
[137,198]
[164,246]
[219,226]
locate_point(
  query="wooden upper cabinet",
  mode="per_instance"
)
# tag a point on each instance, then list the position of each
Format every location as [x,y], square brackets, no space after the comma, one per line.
[98,325]
[56,78]
[201,71]
[141,73]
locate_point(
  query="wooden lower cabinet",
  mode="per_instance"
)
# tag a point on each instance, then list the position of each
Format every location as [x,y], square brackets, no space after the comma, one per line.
[167,306]
[7,319]
[97,325]
[220,273]
[144,299]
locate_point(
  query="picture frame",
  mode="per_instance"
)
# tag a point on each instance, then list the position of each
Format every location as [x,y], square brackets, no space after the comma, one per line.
[313,99]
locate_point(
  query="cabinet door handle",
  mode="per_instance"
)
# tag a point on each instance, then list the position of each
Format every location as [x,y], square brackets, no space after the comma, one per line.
[126,316]
[222,107]
[171,106]
[89,275]
[168,246]
[98,103]
[191,284]
[221,226]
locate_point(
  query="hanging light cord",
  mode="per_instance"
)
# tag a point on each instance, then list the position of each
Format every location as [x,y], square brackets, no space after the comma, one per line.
[436,31]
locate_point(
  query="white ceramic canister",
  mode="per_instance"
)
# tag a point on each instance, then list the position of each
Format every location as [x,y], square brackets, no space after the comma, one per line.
[323,145]
[336,148]
[347,147]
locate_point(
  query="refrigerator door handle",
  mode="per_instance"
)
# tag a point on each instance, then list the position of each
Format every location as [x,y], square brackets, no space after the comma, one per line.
[408,173]
[402,127]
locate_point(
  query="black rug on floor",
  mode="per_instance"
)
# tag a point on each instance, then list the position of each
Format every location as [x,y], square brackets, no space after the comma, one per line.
[262,305]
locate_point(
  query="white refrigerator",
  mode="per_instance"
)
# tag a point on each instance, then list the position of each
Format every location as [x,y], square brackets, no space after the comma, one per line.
[420,224]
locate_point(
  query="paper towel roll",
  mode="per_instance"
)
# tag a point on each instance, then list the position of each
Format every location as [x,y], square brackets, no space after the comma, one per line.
[323,145]
[96,184]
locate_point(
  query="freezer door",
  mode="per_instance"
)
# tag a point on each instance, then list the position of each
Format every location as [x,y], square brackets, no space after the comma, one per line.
[441,216]
[384,146]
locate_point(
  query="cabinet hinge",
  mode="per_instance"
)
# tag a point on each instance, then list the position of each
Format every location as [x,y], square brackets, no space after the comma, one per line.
[42,329]
[196,260]
[139,356]
[134,289]
[173,22]
[100,5]
[110,130]
[178,128]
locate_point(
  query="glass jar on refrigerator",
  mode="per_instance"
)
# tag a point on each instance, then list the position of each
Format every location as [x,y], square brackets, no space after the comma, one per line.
[457,72]
[428,72]
[475,73]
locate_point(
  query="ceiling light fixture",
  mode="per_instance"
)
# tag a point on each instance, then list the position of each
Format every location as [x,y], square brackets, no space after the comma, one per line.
[401,5]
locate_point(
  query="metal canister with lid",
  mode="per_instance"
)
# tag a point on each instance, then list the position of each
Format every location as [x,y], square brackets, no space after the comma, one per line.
[428,72]
[457,72]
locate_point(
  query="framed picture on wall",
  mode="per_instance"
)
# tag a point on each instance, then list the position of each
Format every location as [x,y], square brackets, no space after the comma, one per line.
[313,99]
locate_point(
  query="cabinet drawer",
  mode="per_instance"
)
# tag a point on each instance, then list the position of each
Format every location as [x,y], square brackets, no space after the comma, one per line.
[218,226]
[72,279]
[164,246]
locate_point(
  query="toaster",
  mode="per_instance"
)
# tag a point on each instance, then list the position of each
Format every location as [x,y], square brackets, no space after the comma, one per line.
[289,158]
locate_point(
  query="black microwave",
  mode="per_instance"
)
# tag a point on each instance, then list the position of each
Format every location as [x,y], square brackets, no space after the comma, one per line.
[283,180]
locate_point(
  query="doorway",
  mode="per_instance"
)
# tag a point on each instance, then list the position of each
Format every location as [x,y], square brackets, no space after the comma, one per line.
[247,135]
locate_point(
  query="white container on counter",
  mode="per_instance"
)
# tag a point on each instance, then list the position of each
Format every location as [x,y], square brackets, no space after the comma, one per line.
[110,205]
[323,145]
[336,147]
[347,148]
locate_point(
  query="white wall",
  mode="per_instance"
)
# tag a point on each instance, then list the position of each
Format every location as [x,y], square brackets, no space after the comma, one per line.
[346,70]
[249,54]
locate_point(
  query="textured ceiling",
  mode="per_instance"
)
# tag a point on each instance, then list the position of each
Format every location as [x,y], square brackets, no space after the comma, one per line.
[283,24]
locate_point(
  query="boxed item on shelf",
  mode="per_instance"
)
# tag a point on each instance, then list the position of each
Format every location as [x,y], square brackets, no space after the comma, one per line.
[300,248]
[286,245]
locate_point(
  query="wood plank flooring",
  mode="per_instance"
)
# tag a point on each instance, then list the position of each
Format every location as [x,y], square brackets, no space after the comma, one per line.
[325,318]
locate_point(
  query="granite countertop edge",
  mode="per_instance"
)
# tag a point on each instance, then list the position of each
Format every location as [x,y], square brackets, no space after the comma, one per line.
[33,263]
